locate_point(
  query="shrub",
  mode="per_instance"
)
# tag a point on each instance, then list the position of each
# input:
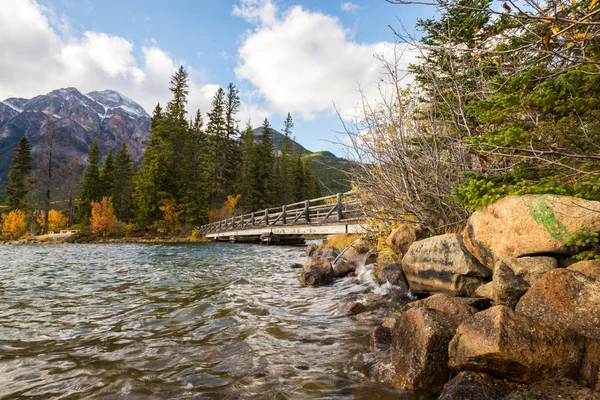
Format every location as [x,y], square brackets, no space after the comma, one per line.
[56,220]
[14,225]
[586,244]
[103,218]
[170,219]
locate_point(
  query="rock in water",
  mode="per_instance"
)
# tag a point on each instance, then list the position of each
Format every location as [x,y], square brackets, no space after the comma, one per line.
[316,272]
[567,298]
[351,308]
[527,225]
[342,268]
[501,342]
[555,388]
[477,386]
[442,264]
[391,273]
[380,338]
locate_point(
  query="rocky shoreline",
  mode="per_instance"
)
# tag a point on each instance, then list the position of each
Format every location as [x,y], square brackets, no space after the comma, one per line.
[499,311]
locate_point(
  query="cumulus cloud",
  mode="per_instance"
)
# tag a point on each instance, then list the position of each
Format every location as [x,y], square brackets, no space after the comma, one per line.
[37,56]
[349,6]
[257,11]
[305,62]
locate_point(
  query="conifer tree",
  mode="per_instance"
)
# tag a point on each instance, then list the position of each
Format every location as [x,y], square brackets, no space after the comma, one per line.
[231,144]
[91,188]
[284,174]
[123,184]
[298,177]
[217,139]
[107,175]
[19,180]
[266,181]
[247,183]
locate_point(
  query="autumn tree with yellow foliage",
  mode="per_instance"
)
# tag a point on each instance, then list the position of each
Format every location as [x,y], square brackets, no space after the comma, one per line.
[56,220]
[14,225]
[104,220]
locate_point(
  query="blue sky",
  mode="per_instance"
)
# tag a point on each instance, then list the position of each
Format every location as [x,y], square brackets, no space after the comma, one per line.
[299,56]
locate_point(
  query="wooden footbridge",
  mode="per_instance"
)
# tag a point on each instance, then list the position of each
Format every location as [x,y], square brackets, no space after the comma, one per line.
[291,223]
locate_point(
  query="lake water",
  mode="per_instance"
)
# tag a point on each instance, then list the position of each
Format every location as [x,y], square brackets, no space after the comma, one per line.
[215,321]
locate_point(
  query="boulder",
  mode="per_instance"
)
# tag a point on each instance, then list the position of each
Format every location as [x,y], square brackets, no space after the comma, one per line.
[477,386]
[343,268]
[443,303]
[518,226]
[391,273]
[316,272]
[478,303]
[589,372]
[311,250]
[401,238]
[361,246]
[508,287]
[487,291]
[329,253]
[531,268]
[362,259]
[555,388]
[508,345]
[388,257]
[420,348]
[442,264]
[380,338]
[590,268]
[351,308]
[567,298]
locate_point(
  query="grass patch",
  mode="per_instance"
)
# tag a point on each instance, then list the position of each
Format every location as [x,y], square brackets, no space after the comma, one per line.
[340,241]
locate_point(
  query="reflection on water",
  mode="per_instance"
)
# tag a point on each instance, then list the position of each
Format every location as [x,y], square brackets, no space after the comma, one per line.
[173,321]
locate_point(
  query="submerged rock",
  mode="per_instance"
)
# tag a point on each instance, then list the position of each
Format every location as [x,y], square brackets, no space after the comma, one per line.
[351,308]
[555,388]
[509,345]
[316,272]
[567,298]
[477,386]
[518,226]
[442,264]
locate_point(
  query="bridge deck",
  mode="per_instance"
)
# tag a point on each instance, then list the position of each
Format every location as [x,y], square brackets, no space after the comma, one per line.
[301,230]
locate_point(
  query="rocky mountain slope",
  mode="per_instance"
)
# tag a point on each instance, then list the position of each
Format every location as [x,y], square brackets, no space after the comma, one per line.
[107,115]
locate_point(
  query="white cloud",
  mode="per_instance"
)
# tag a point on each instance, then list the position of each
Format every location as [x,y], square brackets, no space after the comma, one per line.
[304,62]
[257,11]
[349,6]
[38,55]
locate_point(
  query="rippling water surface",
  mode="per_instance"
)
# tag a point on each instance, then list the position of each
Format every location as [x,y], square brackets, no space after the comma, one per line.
[173,321]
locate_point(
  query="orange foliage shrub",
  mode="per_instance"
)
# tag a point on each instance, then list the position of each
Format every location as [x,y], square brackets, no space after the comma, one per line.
[218,214]
[14,225]
[170,220]
[103,218]
[56,220]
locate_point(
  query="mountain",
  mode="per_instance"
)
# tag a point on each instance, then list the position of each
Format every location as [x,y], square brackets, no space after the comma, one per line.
[107,115]
[331,170]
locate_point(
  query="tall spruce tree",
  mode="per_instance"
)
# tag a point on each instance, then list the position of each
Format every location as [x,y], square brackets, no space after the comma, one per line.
[247,182]
[284,174]
[107,175]
[217,149]
[19,177]
[266,180]
[232,143]
[91,188]
[123,184]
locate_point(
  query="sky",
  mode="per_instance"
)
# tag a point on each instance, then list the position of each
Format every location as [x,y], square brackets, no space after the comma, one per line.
[306,57]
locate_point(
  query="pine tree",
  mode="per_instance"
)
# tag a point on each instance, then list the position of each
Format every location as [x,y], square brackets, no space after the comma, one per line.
[285,179]
[231,144]
[247,183]
[265,152]
[107,175]
[217,149]
[91,188]
[123,184]
[19,177]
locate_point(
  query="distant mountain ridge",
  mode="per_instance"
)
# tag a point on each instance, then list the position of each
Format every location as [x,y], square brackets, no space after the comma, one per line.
[107,115]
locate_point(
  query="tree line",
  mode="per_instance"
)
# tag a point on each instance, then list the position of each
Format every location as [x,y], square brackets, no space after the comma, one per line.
[192,172]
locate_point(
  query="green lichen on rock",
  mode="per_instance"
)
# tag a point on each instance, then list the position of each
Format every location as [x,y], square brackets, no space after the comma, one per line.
[543,214]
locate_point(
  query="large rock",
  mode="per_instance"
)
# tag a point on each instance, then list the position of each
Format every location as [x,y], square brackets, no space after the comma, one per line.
[342,268]
[528,225]
[589,372]
[388,257]
[391,273]
[442,264]
[420,349]
[361,246]
[316,272]
[380,338]
[501,342]
[401,238]
[444,303]
[555,388]
[508,287]
[590,268]
[567,298]
[531,268]
[329,253]
[477,386]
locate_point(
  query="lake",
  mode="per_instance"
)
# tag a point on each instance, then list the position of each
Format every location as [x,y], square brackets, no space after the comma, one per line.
[215,321]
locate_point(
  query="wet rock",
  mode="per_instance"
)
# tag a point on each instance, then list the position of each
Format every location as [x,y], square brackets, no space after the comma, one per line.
[509,345]
[555,388]
[377,366]
[420,348]
[518,226]
[296,266]
[343,268]
[362,259]
[316,272]
[311,250]
[444,303]
[391,273]
[477,386]
[401,238]
[389,323]
[589,371]
[329,253]
[380,338]
[590,268]
[567,298]
[351,308]
[442,264]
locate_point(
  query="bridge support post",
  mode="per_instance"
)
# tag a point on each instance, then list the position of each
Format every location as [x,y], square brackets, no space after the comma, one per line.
[340,214]
[307,211]
[252,218]
[233,221]
[266,216]
[283,211]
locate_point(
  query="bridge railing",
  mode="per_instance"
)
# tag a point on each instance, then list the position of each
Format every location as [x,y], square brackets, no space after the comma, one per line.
[329,209]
